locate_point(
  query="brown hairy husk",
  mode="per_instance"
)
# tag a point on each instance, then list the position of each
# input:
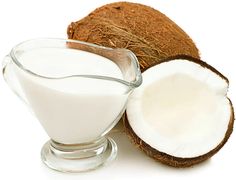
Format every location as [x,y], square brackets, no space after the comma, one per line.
[147,32]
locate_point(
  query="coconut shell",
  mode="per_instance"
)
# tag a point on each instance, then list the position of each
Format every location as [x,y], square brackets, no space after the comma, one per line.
[172,160]
[151,35]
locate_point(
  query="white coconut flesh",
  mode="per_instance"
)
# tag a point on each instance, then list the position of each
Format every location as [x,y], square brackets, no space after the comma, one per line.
[181,108]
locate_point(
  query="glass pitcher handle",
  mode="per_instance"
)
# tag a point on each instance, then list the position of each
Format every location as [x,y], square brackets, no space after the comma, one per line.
[11,79]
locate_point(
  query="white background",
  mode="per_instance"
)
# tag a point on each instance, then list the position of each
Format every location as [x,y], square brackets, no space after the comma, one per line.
[212,26]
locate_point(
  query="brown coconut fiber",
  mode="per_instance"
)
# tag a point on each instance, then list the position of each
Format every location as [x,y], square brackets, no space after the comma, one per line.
[147,32]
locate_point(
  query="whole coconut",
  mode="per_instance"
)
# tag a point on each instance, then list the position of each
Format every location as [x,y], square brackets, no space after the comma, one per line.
[147,32]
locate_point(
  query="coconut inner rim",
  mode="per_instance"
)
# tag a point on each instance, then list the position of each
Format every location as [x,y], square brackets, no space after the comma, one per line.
[180,109]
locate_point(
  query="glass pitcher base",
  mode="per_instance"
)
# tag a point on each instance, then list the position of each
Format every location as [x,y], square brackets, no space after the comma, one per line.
[79,157]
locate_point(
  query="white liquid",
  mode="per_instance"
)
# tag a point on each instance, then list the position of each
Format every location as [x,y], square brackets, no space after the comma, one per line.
[75,109]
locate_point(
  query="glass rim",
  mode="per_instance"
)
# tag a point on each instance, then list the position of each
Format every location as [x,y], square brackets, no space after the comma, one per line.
[135,83]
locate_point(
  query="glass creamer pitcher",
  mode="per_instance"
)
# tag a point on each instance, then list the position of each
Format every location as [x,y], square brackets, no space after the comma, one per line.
[78,91]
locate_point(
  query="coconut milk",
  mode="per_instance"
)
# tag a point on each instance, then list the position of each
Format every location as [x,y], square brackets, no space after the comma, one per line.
[72,109]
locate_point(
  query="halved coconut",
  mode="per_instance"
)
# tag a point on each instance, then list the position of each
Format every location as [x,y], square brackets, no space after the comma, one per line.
[180,115]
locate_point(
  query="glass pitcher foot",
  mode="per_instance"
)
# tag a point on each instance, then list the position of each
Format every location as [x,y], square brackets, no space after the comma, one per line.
[78,157]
